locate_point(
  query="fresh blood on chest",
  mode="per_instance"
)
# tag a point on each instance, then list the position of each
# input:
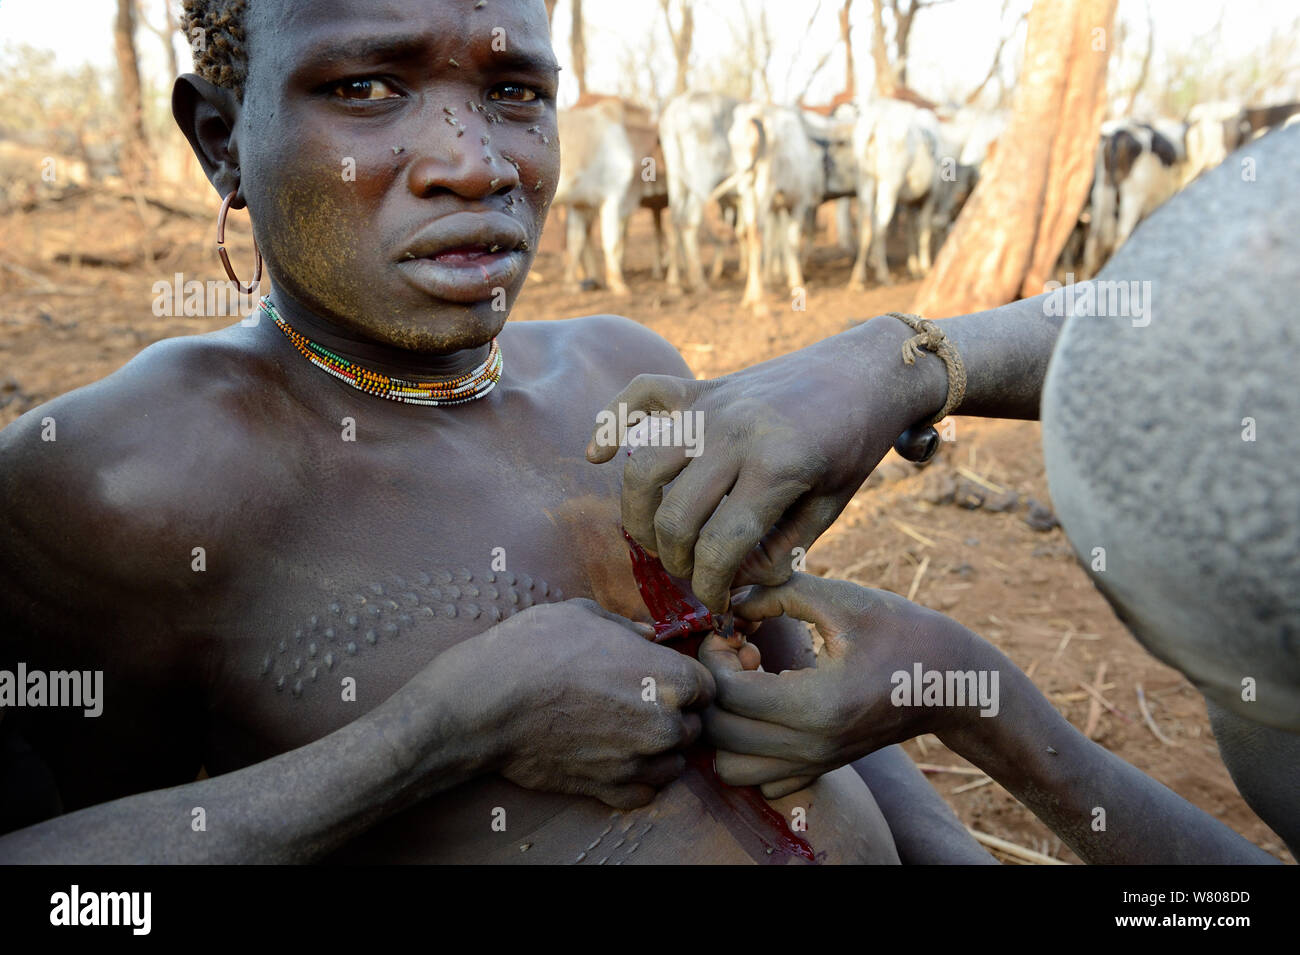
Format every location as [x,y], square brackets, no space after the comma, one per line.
[681,621]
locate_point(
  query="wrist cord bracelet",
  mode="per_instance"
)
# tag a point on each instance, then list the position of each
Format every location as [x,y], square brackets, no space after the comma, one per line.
[931,337]
[920,442]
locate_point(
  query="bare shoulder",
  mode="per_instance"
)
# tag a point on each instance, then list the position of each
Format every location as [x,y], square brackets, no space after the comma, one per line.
[98,485]
[105,492]
[611,347]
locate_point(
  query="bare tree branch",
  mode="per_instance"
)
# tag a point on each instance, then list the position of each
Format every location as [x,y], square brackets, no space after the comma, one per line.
[578,48]
[794,60]
[997,54]
[167,32]
[681,38]
[1146,62]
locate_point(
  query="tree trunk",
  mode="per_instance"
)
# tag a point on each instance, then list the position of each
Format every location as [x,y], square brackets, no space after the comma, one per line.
[885,82]
[682,41]
[1029,196]
[550,11]
[902,33]
[846,30]
[578,49]
[135,147]
[681,38]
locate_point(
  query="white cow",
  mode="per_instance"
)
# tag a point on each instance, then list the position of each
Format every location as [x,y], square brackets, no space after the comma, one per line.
[833,132]
[604,147]
[693,131]
[780,179]
[1137,169]
[896,146]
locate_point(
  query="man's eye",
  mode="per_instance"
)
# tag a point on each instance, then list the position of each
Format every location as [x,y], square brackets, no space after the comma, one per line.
[364,89]
[514,93]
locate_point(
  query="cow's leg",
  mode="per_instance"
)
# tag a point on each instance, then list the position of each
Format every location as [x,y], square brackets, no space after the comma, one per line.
[591,267]
[908,222]
[886,201]
[866,216]
[773,246]
[612,223]
[792,243]
[575,241]
[731,218]
[1130,210]
[754,251]
[924,231]
[660,245]
[691,241]
[844,224]
[1101,229]
[676,249]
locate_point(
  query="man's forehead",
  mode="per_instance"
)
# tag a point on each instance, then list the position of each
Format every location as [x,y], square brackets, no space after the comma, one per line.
[299,26]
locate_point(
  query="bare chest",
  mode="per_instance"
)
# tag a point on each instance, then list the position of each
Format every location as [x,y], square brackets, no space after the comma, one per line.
[344,596]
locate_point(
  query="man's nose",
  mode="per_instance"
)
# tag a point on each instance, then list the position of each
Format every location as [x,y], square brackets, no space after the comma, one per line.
[460,157]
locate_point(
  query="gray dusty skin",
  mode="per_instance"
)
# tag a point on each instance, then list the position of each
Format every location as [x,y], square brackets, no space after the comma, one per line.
[1147,435]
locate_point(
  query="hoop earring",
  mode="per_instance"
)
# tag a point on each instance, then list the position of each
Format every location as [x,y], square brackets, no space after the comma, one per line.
[254,285]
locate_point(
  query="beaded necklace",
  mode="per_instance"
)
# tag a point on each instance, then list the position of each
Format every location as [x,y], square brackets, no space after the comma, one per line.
[455,391]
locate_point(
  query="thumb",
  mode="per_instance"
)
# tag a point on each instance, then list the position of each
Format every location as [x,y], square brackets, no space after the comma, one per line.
[814,600]
[645,393]
[719,656]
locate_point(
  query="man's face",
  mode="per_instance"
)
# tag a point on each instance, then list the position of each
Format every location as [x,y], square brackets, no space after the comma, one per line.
[387,147]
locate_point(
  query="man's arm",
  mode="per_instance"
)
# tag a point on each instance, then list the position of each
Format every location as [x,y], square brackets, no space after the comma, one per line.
[1104,809]
[485,705]
[295,807]
[790,441]
[770,727]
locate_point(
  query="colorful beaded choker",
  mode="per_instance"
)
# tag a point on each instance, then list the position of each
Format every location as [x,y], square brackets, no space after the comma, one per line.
[455,391]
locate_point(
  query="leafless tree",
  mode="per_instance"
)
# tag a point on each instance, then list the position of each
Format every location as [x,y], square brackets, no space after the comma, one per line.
[135,146]
[1145,68]
[578,47]
[891,69]
[166,33]
[1007,34]
[682,38]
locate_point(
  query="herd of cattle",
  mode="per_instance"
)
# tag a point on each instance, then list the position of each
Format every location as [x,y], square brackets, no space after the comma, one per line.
[770,167]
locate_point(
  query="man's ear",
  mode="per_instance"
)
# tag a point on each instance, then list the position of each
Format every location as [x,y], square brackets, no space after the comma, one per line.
[207,114]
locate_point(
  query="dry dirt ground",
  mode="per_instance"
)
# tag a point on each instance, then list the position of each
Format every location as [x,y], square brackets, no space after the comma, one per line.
[66,321]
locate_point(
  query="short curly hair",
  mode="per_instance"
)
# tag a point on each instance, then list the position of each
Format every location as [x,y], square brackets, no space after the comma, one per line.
[221,57]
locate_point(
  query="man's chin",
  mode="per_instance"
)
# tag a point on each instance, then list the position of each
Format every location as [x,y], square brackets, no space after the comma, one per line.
[444,328]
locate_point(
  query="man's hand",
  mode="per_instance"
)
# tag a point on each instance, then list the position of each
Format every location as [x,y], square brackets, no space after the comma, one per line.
[785,445]
[588,704]
[781,731]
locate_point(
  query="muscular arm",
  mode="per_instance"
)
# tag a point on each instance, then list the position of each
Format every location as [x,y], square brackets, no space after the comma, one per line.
[81,590]
[1005,352]
[295,807]
[1064,779]
[791,440]
[772,727]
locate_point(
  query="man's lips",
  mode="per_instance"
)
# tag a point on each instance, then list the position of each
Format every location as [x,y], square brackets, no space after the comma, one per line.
[465,257]
[464,234]
[464,254]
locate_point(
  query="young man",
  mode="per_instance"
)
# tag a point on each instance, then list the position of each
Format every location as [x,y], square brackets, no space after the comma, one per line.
[314,593]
